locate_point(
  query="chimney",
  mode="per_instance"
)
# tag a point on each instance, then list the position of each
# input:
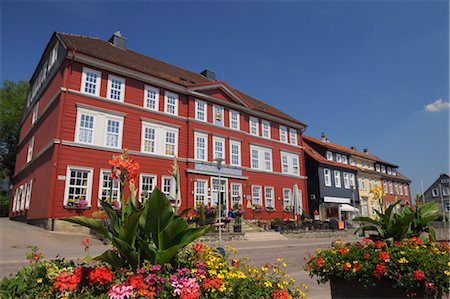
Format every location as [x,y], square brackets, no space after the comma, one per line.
[211,75]
[324,137]
[366,151]
[118,40]
[353,148]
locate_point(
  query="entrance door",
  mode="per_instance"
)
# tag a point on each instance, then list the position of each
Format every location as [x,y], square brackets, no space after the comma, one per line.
[223,194]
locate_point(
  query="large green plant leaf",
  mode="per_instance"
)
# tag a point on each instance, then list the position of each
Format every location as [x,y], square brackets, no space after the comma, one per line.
[128,252]
[111,258]
[129,229]
[90,223]
[158,214]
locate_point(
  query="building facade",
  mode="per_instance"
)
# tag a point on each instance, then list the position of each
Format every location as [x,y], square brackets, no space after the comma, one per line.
[90,98]
[439,192]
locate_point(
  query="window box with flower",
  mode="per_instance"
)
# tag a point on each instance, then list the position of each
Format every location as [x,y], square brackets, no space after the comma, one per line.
[77,203]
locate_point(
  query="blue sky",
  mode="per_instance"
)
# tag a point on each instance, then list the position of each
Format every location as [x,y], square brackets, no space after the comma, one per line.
[361,71]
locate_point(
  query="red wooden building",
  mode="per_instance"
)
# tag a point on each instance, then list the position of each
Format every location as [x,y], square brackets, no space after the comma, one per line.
[90,98]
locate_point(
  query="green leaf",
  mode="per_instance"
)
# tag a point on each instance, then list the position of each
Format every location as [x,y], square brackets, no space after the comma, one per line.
[126,251]
[111,258]
[159,213]
[129,230]
[90,223]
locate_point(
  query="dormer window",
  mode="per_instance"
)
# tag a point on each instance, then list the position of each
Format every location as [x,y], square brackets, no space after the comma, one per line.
[329,156]
[383,169]
[394,172]
[338,158]
[389,170]
[377,167]
[344,159]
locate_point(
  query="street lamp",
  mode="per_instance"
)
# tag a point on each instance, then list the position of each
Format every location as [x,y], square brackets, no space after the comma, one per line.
[219,162]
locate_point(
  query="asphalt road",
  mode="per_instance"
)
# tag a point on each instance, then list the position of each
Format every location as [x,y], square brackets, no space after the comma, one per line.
[17,239]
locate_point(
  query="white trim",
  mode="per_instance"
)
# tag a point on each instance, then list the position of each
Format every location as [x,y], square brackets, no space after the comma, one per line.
[265,124]
[238,143]
[346,180]
[219,140]
[100,186]
[97,83]
[29,187]
[163,178]
[160,138]
[141,178]
[337,178]
[35,113]
[205,192]
[273,197]
[287,201]
[293,137]
[217,109]
[260,201]
[204,104]
[30,150]
[88,187]
[239,195]
[122,88]
[327,177]
[252,122]
[291,165]
[205,136]
[237,122]
[283,134]
[147,89]
[176,97]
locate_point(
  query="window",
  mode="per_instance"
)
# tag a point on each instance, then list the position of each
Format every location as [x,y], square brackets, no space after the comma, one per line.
[338,158]
[90,81]
[289,163]
[445,191]
[363,183]
[116,88]
[287,199]
[236,195]
[352,161]
[99,128]
[329,156]
[394,172]
[105,188]
[171,103]
[254,126]
[447,206]
[268,195]
[327,177]
[370,184]
[385,187]
[346,181]
[352,180]
[147,183]
[218,148]
[435,192]
[400,189]
[78,185]
[265,128]
[391,189]
[53,56]
[261,158]
[293,136]
[283,134]
[337,179]
[389,170]
[235,152]
[200,193]
[396,188]
[151,97]
[30,150]
[201,110]
[406,189]
[35,113]
[201,146]
[23,197]
[377,167]
[159,139]
[166,184]
[383,169]
[256,195]
[234,120]
[28,196]
[344,159]
[218,115]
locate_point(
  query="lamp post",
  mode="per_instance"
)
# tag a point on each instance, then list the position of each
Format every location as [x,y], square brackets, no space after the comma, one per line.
[219,162]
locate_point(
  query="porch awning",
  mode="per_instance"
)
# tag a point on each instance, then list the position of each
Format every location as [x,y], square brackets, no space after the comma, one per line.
[348,208]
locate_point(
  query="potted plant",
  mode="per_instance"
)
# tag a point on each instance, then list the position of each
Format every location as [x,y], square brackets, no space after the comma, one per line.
[238,213]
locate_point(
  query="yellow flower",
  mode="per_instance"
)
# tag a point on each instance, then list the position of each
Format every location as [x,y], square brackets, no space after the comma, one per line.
[284,264]
[280,259]
[446,272]
[264,269]
[403,260]
[39,280]
[402,252]
[268,284]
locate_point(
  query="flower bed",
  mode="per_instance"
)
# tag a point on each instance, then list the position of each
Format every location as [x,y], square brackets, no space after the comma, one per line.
[410,265]
[201,272]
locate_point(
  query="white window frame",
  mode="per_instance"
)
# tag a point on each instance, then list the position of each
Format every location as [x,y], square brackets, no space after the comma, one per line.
[235,195]
[400,188]
[346,180]
[391,187]
[445,191]
[141,184]
[329,156]
[121,91]
[204,105]
[97,83]
[435,192]
[165,179]
[265,124]
[344,159]
[352,180]
[283,134]
[383,169]
[293,136]
[292,167]
[175,143]
[287,199]
[233,155]
[235,123]
[35,113]
[327,177]
[218,140]
[90,171]
[271,203]
[363,183]
[23,197]
[147,99]
[197,193]
[198,135]
[261,152]
[29,187]
[254,126]
[218,110]
[30,150]
[385,187]
[377,168]
[52,57]
[168,94]
[160,138]
[119,134]
[396,188]
[258,199]
[337,179]
[100,187]
[389,170]
[338,158]
[144,139]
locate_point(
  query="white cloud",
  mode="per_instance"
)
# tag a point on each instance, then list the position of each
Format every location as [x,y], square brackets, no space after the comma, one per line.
[437,106]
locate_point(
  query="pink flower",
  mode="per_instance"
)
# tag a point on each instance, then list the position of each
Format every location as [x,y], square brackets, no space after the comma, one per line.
[121,291]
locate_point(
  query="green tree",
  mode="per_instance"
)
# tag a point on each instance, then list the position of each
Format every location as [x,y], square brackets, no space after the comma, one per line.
[12,102]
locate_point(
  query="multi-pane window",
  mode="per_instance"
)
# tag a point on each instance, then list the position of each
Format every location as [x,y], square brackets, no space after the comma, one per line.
[86,128]
[338,158]
[35,113]
[293,136]
[391,189]
[352,180]
[385,187]
[236,194]
[28,197]
[91,81]
[52,57]
[370,184]
[265,128]
[383,169]
[105,187]
[151,97]
[406,189]
[327,177]
[254,126]
[287,199]
[200,110]
[166,184]
[200,192]
[400,189]
[377,168]
[329,156]
[283,134]
[396,188]
[346,181]
[389,170]
[235,152]
[337,179]
[171,103]
[268,195]
[30,149]
[344,159]
[116,88]
[170,143]
[78,185]
[394,172]
[234,120]
[256,195]
[218,115]
[261,158]
[147,184]
[201,146]
[112,133]
[289,163]
[218,148]
[362,183]
[158,139]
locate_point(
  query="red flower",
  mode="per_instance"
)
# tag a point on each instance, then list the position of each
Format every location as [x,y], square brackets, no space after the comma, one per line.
[66,281]
[418,275]
[383,255]
[150,293]
[344,250]
[319,262]
[367,240]
[198,247]
[211,283]
[366,255]
[356,266]
[101,275]
[137,281]
[379,244]
[380,269]
[346,266]
[280,294]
